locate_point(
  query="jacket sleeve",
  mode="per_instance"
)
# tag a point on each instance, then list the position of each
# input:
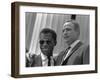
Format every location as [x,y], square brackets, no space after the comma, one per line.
[86,55]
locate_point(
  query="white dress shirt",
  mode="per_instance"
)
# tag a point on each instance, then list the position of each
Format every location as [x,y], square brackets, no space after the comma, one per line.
[45,60]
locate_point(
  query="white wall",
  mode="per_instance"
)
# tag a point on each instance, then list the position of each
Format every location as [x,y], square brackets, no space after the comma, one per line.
[5,41]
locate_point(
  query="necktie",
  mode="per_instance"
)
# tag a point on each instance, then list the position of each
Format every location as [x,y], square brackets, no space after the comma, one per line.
[49,59]
[66,51]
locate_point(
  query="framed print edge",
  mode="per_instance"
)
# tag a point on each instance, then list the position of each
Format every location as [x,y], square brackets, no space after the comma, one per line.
[14,40]
[15,32]
[96,39]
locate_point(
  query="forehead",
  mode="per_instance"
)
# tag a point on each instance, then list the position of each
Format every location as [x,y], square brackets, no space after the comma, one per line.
[68,25]
[45,36]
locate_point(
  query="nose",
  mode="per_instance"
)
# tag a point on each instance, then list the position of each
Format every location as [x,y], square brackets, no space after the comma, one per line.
[65,32]
[45,44]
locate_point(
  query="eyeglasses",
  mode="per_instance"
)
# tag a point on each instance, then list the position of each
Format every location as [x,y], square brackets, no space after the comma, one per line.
[42,42]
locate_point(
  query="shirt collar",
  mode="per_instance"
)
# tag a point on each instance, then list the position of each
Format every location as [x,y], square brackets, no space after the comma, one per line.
[74,43]
[44,57]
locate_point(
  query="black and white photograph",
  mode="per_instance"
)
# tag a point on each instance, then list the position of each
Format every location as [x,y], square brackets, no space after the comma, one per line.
[61,38]
[51,39]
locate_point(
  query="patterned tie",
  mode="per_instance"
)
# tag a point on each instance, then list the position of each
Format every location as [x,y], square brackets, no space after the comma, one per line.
[66,51]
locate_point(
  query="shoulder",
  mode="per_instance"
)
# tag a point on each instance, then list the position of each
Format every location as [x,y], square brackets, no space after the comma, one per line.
[85,46]
[82,45]
[85,49]
[86,54]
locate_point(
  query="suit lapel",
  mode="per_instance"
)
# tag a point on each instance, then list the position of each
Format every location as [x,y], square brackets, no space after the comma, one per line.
[73,50]
[60,58]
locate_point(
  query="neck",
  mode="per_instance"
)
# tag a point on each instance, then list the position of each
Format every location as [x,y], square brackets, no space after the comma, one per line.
[49,55]
[71,42]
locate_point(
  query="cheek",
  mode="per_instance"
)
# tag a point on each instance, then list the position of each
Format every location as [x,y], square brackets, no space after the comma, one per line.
[74,35]
[51,46]
[40,46]
[70,34]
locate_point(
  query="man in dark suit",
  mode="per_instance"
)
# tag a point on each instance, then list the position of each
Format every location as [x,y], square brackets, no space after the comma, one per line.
[76,53]
[47,40]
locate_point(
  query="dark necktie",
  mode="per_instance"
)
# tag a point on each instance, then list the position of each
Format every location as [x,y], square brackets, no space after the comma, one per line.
[65,61]
[49,59]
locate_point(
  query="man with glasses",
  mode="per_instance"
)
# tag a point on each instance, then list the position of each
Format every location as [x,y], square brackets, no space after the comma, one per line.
[47,40]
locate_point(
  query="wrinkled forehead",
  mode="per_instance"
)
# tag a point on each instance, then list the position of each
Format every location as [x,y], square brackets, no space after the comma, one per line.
[68,25]
[47,36]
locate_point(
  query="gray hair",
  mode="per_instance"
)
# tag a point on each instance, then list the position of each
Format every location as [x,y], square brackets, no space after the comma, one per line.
[76,25]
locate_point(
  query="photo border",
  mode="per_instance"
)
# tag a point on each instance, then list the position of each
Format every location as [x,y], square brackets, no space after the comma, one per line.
[15,32]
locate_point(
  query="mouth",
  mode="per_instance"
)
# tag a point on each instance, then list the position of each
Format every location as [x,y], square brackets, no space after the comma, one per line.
[45,49]
[66,37]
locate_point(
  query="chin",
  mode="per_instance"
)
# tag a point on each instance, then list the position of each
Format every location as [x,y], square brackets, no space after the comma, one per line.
[67,41]
[44,51]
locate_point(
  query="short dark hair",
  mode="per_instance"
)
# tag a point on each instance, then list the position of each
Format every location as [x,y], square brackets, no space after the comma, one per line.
[48,30]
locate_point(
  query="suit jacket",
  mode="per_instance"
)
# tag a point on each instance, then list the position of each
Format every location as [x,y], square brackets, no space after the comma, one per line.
[78,55]
[36,61]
